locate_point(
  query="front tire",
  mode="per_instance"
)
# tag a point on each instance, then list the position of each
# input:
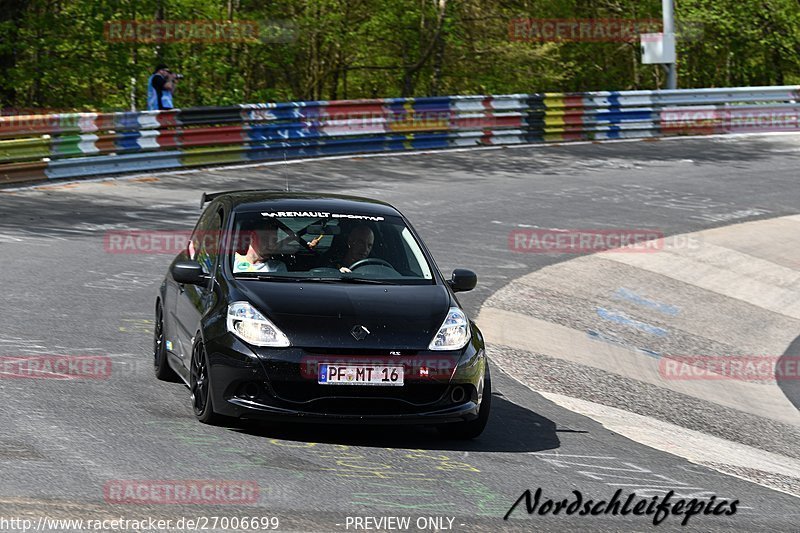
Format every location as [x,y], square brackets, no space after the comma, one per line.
[199,384]
[473,428]
[160,364]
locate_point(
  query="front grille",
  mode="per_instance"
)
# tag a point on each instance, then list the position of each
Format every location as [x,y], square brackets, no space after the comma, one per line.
[410,393]
[360,406]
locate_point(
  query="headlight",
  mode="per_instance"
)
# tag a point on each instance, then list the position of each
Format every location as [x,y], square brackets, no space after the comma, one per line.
[454,333]
[248,324]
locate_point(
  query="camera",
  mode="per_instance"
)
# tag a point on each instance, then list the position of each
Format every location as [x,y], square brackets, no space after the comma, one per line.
[177,76]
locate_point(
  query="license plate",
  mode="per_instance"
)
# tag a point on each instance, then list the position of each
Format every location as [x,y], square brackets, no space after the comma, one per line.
[360,375]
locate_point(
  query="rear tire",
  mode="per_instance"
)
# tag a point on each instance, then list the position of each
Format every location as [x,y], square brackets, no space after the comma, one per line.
[160,364]
[473,428]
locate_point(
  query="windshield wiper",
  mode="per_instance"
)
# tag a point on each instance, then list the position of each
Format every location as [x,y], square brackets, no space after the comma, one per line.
[349,280]
[272,277]
[263,277]
[367,280]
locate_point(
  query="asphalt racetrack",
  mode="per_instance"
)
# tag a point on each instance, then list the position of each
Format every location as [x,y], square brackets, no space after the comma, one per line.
[66,443]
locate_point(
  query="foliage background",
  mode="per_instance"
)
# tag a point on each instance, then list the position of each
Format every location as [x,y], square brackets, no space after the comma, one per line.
[54,55]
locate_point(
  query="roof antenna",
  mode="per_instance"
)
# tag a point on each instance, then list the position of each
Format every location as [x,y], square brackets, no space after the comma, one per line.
[285,172]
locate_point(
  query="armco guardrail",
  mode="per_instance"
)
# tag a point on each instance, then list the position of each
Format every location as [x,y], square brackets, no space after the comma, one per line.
[37,147]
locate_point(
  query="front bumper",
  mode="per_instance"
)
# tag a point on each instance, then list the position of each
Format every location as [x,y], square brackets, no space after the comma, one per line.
[252,410]
[281,384]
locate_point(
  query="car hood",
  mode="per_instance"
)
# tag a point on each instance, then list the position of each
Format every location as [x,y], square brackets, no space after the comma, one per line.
[322,315]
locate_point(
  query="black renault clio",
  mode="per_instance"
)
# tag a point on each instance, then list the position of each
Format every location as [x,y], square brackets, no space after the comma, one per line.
[326,308]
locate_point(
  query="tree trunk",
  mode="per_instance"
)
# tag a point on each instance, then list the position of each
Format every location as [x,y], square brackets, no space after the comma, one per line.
[438,62]
[410,71]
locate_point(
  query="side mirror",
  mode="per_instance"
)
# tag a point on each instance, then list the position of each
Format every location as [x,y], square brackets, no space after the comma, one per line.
[189,272]
[463,280]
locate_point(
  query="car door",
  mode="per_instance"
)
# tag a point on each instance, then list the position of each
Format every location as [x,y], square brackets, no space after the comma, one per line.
[194,300]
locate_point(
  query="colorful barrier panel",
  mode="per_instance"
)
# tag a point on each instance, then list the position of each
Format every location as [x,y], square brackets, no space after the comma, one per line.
[70,145]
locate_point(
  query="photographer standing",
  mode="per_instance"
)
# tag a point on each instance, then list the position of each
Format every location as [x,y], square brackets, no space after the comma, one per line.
[160,87]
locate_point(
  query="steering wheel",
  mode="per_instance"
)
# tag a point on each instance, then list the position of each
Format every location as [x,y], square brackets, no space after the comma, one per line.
[370,261]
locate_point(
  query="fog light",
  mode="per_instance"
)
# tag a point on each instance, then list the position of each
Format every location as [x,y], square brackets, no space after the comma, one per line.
[457,395]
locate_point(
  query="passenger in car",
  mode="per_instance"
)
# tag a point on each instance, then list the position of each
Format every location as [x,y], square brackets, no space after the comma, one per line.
[262,245]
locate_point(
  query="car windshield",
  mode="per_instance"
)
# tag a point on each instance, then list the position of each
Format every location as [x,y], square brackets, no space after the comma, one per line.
[327,247]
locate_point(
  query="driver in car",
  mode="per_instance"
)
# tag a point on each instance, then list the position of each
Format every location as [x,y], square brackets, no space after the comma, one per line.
[263,243]
[359,246]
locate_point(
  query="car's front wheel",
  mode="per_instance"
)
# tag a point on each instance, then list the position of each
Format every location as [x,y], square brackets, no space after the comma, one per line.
[473,428]
[202,403]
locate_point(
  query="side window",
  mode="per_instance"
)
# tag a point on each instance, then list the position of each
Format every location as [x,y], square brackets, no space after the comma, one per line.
[408,253]
[413,251]
[206,239]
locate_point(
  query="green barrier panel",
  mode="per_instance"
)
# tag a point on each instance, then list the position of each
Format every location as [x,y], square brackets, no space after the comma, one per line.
[24,149]
[213,156]
[67,145]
